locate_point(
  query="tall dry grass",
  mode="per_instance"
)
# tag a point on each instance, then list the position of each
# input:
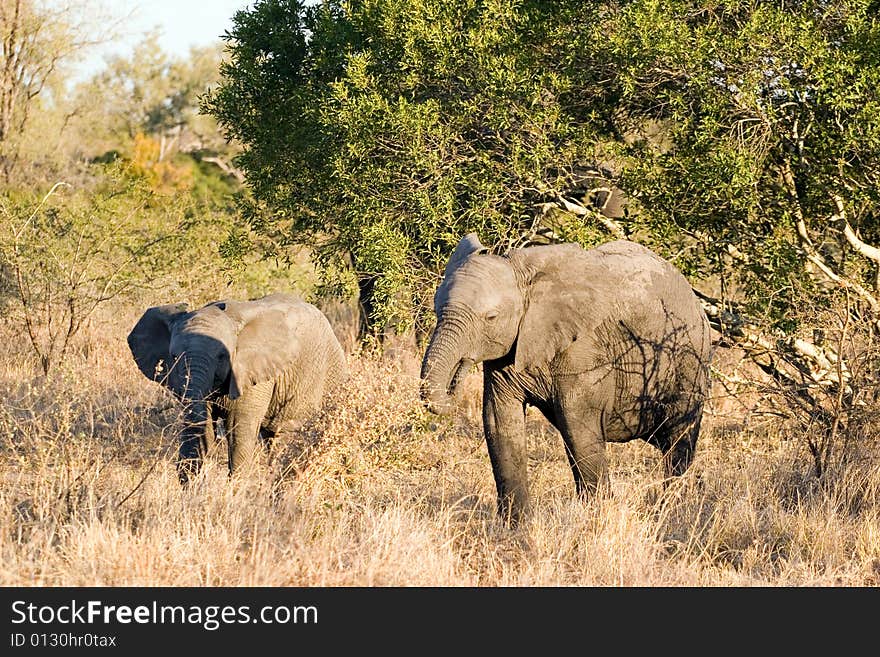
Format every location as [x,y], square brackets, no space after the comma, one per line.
[377,492]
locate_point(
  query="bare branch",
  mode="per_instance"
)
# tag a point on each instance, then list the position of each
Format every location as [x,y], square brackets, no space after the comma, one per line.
[235,172]
[581,210]
[868,251]
[820,364]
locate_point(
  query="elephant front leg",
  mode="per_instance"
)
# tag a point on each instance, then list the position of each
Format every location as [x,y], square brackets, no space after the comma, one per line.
[192,440]
[504,427]
[208,438]
[246,415]
[189,457]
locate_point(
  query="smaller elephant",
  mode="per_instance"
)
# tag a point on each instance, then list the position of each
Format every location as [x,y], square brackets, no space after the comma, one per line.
[610,344]
[261,366]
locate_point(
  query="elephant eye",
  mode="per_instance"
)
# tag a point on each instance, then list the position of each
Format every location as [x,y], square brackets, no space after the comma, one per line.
[491,315]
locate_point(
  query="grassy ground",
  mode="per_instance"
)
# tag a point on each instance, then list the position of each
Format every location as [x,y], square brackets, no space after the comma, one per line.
[378,492]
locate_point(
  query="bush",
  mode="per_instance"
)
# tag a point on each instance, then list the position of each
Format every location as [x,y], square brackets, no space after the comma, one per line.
[67,252]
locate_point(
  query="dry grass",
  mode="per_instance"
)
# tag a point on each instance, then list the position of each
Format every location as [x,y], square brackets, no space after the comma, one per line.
[377,492]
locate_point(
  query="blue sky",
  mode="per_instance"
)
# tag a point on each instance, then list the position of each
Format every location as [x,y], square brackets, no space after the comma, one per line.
[181,24]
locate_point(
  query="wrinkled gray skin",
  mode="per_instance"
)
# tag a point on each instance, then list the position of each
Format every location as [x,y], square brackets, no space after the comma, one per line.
[261,366]
[610,344]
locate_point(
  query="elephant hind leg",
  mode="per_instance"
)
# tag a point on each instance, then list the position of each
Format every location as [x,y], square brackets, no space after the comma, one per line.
[267,442]
[266,438]
[678,448]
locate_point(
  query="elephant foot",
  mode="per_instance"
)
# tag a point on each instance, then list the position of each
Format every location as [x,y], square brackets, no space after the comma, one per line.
[677,458]
[250,464]
[187,469]
[512,510]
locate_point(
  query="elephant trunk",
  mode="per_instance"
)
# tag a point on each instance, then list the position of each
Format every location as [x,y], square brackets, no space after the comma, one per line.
[196,417]
[443,367]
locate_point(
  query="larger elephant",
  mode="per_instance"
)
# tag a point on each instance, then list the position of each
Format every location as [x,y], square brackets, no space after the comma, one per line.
[610,344]
[260,365]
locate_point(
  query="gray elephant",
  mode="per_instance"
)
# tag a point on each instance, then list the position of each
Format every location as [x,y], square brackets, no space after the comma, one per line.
[610,344]
[259,365]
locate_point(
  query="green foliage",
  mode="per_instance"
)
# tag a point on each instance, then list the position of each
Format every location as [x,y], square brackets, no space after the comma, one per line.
[63,257]
[142,192]
[395,128]
[152,93]
[750,93]
[378,132]
[66,252]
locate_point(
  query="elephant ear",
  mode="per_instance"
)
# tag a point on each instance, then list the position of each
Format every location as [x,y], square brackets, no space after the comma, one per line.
[555,311]
[150,337]
[467,246]
[268,341]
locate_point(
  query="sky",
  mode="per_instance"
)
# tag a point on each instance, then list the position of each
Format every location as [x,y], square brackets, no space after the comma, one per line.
[181,24]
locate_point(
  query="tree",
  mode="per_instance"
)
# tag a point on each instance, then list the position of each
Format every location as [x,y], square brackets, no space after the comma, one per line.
[376,133]
[763,170]
[745,135]
[37,40]
[385,129]
[150,92]
[772,129]
[62,259]
[66,253]
[150,96]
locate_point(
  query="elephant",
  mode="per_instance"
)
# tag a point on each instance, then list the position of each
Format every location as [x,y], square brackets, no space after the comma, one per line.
[610,344]
[261,366]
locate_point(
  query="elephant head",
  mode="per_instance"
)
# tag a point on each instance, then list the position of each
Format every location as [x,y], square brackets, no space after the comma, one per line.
[490,307]
[220,349]
[479,307]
